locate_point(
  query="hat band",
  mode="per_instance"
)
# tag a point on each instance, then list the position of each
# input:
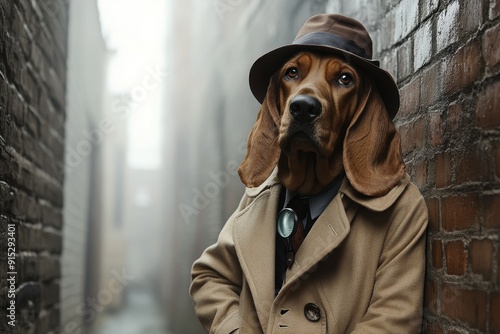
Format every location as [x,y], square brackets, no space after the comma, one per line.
[328,39]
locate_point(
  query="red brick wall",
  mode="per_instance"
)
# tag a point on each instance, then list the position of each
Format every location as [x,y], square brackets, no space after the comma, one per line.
[449,121]
[455,168]
[445,55]
[32,99]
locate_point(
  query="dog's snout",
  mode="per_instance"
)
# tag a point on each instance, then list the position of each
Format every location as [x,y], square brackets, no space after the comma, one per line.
[305,108]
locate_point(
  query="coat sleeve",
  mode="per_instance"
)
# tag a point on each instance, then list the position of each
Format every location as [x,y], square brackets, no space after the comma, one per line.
[397,299]
[216,284]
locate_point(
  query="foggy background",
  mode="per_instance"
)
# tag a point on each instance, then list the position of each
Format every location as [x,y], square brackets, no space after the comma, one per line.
[159,110]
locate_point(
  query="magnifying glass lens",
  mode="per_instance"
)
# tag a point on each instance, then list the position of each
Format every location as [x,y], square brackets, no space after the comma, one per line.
[286,222]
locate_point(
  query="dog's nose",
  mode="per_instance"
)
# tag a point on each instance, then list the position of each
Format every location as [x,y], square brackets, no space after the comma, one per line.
[305,108]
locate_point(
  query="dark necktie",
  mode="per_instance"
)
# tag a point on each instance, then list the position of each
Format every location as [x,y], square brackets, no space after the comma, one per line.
[301,208]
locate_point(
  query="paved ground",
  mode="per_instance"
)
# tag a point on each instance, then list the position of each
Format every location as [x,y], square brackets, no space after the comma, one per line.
[140,315]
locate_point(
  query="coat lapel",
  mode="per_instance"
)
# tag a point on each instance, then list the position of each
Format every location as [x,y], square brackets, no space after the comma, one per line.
[331,228]
[254,238]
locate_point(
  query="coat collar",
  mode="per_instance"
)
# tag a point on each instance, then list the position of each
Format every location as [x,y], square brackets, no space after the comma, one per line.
[377,204]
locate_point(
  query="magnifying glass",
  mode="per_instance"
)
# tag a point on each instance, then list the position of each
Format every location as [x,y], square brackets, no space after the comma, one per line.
[287,226]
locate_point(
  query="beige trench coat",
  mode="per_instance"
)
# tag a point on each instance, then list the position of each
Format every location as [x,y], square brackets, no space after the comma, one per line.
[361,266]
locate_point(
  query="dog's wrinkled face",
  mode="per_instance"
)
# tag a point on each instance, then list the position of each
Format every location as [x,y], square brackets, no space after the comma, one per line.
[318,97]
[322,117]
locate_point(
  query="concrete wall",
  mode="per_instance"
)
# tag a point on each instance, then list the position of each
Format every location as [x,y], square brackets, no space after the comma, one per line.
[32,114]
[445,56]
[87,58]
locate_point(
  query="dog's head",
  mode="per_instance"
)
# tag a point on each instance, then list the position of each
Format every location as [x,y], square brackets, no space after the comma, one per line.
[321,117]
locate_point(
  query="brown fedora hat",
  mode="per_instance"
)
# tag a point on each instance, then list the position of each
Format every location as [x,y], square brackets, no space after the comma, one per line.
[331,34]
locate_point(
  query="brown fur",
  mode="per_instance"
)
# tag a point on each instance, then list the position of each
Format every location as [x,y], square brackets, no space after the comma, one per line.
[353,133]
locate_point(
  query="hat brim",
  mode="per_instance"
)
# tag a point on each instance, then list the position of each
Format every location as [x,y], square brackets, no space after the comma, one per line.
[264,68]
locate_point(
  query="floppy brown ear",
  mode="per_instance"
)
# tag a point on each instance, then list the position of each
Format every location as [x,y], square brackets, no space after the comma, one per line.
[372,148]
[262,147]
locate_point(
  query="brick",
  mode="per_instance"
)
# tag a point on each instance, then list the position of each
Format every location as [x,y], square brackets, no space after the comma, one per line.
[410,98]
[406,19]
[28,268]
[36,59]
[31,150]
[32,123]
[24,37]
[498,267]
[28,304]
[55,89]
[491,211]
[481,257]
[471,165]
[14,62]
[446,26]
[497,159]
[433,329]
[494,312]
[456,257]
[49,321]
[30,85]
[459,213]
[6,198]
[437,253]
[50,268]
[494,11]
[421,174]
[389,63]
[436,129]
[491,52]
[431,86]
[13,135]
[433,213]
[468,306]
[26,207]
[431,297]
[4,92]
[423,45]
[488,105]
[455,117]
[443,171]
[413,135]
[428,7]
[52,242]
[17,107]
[29,238]
[404,56]
[471,16]
[386,35]
[51,216]
[462,69]
[50,294]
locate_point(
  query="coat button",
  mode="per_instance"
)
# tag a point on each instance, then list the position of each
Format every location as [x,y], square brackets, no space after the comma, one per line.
[312,312]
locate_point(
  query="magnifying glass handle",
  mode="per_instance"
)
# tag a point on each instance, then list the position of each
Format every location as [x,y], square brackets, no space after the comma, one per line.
[290,258]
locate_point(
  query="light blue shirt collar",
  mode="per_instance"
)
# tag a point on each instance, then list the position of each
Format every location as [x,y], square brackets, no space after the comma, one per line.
[319,202]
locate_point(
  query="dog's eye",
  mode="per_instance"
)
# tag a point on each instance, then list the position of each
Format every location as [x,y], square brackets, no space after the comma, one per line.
[345,79]
[292,73]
